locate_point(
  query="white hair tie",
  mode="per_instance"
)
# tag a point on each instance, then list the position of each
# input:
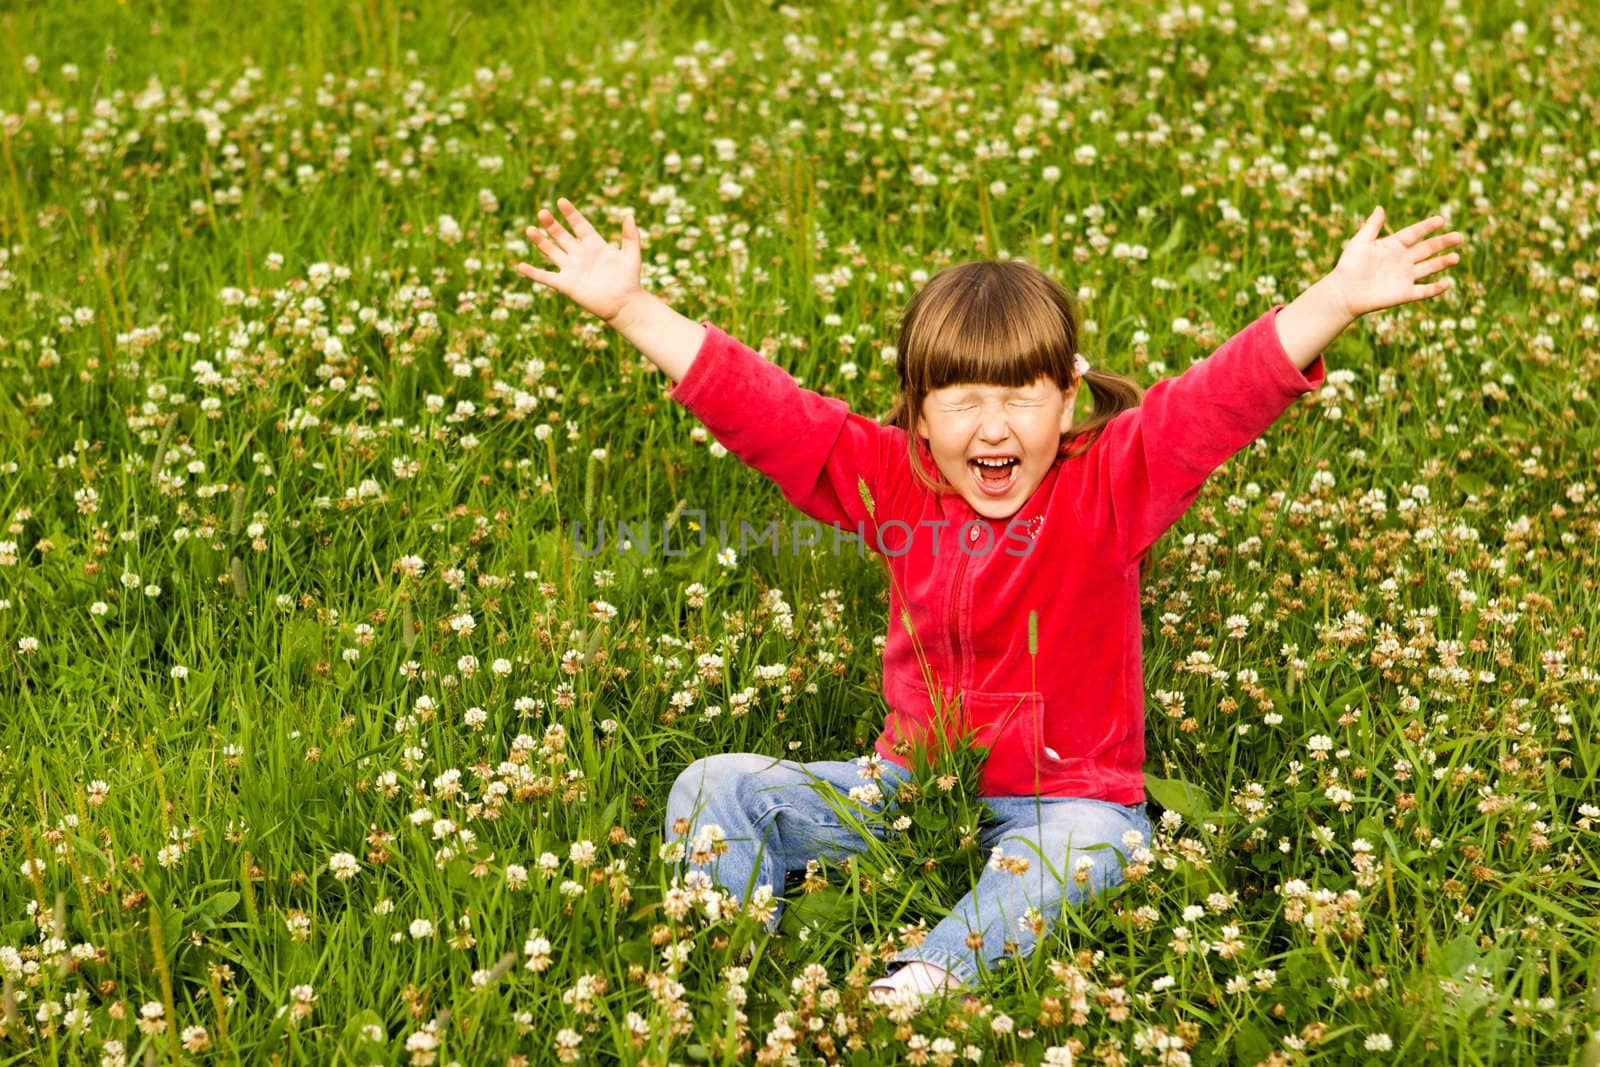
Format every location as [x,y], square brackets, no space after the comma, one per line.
[1080,365]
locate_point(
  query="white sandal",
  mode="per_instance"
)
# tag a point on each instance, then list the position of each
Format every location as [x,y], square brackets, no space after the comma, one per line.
[919,981]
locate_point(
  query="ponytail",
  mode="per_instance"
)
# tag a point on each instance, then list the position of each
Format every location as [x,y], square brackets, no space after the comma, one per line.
[1113,394]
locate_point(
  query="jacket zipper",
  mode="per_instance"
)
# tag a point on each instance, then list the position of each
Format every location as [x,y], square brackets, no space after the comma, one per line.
[955,623]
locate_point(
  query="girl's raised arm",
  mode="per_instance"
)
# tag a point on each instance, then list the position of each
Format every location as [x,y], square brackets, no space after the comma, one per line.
[603,279]
[1373,273]
[1149,463]
[813,447]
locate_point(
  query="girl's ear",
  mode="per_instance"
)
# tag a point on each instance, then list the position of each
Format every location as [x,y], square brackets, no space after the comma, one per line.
[1069,398]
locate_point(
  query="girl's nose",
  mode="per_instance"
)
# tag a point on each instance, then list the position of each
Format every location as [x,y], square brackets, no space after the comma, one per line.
[994,427]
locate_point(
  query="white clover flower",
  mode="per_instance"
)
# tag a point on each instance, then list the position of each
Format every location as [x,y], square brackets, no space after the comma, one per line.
[867,795]
[421,1044]
[196,1039]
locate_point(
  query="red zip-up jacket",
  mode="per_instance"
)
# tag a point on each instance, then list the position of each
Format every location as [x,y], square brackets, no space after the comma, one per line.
[1069,722]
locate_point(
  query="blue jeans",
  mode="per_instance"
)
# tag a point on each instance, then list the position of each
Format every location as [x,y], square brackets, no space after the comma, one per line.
[774,820]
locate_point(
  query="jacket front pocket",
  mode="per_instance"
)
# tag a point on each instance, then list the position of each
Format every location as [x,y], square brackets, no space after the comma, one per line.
[1010,726]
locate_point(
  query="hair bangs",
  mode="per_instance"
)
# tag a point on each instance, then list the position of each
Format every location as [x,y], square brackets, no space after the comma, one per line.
[989,324]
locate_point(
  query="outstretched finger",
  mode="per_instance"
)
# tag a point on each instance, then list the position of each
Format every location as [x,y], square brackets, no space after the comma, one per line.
[1431,290]
[1369,229]
[1418,230]
[630,237]
[1435,245]
[1433,266]
[543,277]
[557,233]
[547,244]
[580,225]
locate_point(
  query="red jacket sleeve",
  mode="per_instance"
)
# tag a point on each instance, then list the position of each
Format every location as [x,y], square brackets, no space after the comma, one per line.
[1149,463]
[813,447]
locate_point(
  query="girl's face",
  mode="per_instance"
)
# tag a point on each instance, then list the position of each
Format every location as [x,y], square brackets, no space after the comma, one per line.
[994,443]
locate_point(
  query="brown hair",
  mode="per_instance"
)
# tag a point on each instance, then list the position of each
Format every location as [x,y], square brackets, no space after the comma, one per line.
[996,323]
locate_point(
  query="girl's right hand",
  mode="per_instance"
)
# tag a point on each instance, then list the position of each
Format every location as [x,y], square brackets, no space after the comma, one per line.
[600,277]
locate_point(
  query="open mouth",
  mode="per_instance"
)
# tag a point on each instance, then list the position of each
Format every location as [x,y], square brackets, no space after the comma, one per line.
[995,475]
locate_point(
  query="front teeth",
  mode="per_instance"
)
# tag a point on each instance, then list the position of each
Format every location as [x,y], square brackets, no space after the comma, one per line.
[993,462]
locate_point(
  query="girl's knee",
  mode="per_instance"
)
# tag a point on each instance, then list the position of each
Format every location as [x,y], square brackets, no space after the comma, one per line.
[1097,827]
[1085,851]
[711,776]
[1090,872]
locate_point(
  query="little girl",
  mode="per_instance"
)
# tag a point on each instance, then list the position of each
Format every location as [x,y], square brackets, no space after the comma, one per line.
[990,504]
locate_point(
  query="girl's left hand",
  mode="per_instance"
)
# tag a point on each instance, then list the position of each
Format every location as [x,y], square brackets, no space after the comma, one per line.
[1376,273]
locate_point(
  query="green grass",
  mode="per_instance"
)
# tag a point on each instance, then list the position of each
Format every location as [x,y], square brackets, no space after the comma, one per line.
[1445,642]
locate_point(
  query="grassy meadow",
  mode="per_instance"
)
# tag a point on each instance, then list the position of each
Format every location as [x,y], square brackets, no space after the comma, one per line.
[321,742]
